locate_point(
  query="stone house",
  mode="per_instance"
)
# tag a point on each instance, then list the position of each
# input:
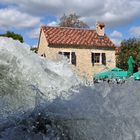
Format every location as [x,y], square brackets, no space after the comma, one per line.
[88,51]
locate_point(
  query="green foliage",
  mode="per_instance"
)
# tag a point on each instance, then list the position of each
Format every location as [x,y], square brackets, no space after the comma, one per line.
[130,47]
[72,20]
[13,35]
[34,49]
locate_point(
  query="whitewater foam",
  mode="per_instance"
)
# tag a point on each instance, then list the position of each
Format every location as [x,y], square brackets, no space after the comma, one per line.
[31,85]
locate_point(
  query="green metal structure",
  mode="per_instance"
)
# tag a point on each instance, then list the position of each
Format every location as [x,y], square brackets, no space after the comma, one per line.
[136,75]
[119,74]
[131,63]
[115,73]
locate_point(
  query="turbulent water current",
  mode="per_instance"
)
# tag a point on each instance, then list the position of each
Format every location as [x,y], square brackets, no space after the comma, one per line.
[44,100]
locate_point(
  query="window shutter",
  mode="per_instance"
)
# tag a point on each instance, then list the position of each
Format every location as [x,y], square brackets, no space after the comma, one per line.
[103,58]
[73,58]
[92,58]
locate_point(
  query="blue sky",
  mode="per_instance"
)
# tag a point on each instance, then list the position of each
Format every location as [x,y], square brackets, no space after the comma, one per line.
[121,17]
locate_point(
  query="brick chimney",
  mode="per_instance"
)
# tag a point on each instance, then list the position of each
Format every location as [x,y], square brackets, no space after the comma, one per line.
[100,28]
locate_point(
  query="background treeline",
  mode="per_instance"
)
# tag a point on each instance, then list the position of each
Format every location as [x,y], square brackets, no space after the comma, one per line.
[130,47]
[13,35]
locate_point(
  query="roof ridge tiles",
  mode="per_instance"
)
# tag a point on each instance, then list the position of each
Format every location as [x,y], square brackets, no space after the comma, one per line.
[87,29]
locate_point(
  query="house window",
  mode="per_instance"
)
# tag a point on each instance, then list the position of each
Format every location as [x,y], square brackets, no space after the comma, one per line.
[98,58]
[67,55]
[71,56]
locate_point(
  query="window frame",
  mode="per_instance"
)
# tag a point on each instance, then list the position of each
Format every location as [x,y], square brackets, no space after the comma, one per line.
[97,58]
[69,57]
[101,57]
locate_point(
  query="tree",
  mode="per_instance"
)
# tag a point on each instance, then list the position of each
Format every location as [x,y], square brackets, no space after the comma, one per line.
[13,35]
[130,47]
[34,49]
[72,20]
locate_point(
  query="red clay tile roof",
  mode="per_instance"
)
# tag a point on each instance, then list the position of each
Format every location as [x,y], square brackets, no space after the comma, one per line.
[75,36]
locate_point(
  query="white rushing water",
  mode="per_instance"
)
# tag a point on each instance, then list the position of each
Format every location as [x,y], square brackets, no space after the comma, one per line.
[43,100]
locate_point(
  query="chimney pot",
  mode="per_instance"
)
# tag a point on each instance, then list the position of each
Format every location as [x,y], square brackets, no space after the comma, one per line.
[100,28]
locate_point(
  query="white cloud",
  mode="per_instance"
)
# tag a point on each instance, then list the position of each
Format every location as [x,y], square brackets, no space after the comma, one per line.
[53,23]
[135,31]
[27,14]
[34,46]
[109,11]
[116,37]
[34,33]
[12,18]
[116,34]
[117,42]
